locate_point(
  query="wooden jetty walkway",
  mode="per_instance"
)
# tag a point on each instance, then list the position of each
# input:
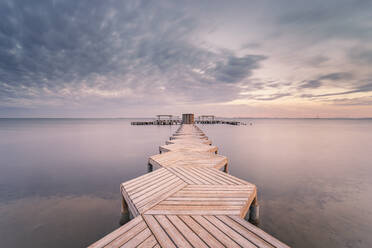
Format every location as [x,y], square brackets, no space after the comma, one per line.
[188,201]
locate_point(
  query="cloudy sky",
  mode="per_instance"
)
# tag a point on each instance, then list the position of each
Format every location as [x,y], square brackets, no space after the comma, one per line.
[108,58]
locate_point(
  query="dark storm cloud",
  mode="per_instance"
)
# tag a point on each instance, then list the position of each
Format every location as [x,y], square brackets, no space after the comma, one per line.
[362,88]
[235,69]
[72,49]
[327,19]
[316,83]
[110,54]
[272,97]
[50,41]
[361,55]
[251,45]
[355,101]
[336,76]
[317,60]
[312,84]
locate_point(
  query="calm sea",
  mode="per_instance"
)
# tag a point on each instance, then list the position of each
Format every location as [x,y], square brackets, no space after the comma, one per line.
[59,178]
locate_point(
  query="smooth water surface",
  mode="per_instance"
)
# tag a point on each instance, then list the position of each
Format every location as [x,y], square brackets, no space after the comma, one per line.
[59,178]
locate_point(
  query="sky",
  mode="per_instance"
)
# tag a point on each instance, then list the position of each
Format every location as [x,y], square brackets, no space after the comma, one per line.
[108,58]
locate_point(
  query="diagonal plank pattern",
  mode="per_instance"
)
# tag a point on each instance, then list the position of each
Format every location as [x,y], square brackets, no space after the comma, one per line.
[188,159]
[146,191]
[188,201]
[184,147]
[135,233]
[208,200]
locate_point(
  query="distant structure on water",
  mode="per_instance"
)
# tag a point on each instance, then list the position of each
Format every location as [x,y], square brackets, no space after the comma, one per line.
[186,119]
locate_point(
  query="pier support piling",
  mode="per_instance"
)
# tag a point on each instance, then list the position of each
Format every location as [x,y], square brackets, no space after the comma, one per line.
[149,167]
[124,213]
[254,212]
[226,168]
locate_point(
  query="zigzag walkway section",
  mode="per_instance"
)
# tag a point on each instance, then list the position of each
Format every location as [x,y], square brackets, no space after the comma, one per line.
[188,201]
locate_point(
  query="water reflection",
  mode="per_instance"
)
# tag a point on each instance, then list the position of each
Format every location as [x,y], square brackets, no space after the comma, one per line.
[56,221]
[59,180]
[313,177]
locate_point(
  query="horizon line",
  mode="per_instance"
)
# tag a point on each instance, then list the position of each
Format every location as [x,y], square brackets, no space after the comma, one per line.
[180,118]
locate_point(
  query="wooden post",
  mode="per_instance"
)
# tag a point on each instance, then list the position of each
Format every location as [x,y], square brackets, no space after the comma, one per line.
[254,212]
[226,168]
[124,213]
[149,167]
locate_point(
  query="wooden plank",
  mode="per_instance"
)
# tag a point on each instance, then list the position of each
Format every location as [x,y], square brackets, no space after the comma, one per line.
[161,196]
[199,175]
[172,231]
[230,177]
[194,240]
[148,180]
[213,193]
[188,137]
[155,185]
[221,176]
[211,190]
[153,181]
[138,239]
[140,178]
[144,197]
[172,198]
[115,234]
[219,187]
[230,232]
[162,238]
[201,232]
[251,197]
[217,177]
[206,177]
[192,212]
[195,177]
[131,206]
[217,233]
[121,240]
[188,159]
[243,231]
[259,232]
[193,208]
[192,146]
[182,141]
[149,242]
[180,174]
[203,203]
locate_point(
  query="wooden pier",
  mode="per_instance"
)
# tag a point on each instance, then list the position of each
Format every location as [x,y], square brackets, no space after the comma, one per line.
[188,201]
[203,119]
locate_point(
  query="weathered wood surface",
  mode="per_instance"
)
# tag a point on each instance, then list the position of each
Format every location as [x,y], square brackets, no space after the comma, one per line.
[146,191]
[188,147]
[188,231]
[188,136]
[188,159]
[187,141]
[188,202]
